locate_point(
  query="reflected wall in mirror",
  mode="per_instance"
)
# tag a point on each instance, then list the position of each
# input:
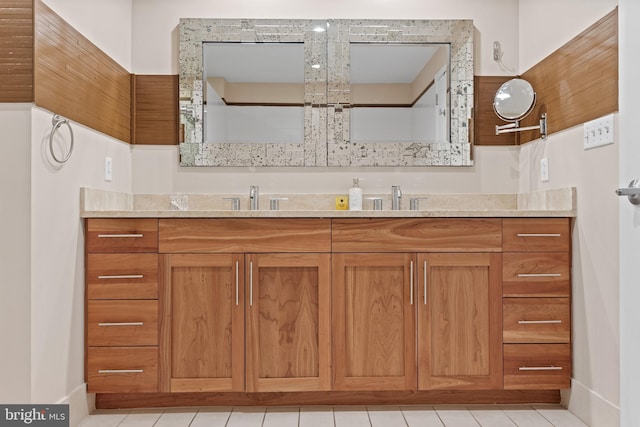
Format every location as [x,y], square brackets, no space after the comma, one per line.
[351,113]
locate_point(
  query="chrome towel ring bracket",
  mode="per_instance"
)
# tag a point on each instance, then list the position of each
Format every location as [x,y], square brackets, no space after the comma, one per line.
[57,122]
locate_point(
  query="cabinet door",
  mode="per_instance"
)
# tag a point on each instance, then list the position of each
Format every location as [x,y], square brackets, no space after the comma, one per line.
[459,321]
[202,329]
[288,322]
[373,322]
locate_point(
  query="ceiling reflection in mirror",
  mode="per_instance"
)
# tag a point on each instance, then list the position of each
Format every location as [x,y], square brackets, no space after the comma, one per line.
[325,107]
[253,93]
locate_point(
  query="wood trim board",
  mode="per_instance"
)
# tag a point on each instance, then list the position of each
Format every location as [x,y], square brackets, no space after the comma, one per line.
[77,80]
[16,51]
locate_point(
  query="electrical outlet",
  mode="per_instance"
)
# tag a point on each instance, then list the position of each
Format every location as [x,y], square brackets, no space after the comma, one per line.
[108,169]
[598,132]
[544,169]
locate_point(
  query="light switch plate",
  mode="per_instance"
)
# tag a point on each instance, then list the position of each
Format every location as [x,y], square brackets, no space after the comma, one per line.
[544,169]
[108,169]
[599,132]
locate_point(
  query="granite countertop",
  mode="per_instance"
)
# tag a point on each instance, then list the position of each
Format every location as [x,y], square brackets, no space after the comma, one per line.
[106,204]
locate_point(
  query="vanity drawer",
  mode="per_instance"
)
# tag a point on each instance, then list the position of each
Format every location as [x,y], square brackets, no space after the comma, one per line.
[122,235]
[537,366]
[536,274]
[122,323]
[122,276]
[536,320]
[122,369]
[245,235]
[536,235]
[416,235]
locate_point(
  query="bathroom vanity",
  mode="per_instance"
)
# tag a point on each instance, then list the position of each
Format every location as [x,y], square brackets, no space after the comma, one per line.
[215,307]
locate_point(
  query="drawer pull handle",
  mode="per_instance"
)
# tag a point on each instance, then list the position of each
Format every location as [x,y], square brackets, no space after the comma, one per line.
[538,322]
[539,235]
[121,371]
[540,368]
[237,283]
[121,324]
[123,276]
[424,269]
[411,273]
[120,236]
[540,275]
[251,283]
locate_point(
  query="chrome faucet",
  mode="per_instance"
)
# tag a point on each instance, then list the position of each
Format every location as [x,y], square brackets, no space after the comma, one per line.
[254,198]
[396,195]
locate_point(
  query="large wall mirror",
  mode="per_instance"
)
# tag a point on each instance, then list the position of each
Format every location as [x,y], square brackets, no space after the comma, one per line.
[325,92]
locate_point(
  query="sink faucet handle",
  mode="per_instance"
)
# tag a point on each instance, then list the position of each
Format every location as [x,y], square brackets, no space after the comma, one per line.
[274,202]
[235,202]
[414,203]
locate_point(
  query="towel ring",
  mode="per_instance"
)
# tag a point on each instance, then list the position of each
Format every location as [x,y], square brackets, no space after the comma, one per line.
[58,121]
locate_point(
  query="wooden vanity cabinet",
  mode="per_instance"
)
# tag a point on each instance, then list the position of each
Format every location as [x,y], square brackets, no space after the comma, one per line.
[309,305]
[202,335]
[122,305]
[246,305]
[459,321]
[447,272]
[374,325]
[537,303]
[288,322]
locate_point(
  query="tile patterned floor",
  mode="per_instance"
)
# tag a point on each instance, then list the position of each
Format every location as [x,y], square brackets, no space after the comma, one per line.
[342,416]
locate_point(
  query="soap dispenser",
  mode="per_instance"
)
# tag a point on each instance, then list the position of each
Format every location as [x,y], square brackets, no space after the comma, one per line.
[355,196]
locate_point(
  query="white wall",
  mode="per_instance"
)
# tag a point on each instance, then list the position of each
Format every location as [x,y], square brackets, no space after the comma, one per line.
[595,391]
[629,215]
[15,246]
[57,250]
[155,51]
[57,256]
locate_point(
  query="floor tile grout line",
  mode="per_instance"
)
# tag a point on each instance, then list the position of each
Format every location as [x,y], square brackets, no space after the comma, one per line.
[542,415]
[366,408]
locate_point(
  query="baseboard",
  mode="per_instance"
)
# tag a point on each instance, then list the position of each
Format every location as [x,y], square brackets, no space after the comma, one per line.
[589,406]
[432,397]
[81,404]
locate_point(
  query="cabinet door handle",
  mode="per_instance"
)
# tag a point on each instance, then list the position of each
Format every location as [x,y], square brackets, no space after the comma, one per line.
[123,276]
[540,368]
[538,322]
[411,281]
[424,268]
[539,275]
[120,236]
[539,234]
[236,282]
[121,371]
[121,324]
[251,283]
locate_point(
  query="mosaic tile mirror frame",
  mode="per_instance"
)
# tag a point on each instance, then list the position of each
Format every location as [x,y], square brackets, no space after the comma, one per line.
[326,109]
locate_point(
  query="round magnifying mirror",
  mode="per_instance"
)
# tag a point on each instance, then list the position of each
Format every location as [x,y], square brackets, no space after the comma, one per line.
[514,100]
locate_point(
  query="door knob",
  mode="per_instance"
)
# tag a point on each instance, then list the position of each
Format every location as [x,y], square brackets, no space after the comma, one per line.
[632,192]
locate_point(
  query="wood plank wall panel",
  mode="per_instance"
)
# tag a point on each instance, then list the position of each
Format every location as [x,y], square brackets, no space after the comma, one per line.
[579,81]
[16,51]
[155,109]
[77,80]
[485,119]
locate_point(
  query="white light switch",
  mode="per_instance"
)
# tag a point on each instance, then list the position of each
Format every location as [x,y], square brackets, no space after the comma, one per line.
[544,169]
[108,169]
[598,132]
